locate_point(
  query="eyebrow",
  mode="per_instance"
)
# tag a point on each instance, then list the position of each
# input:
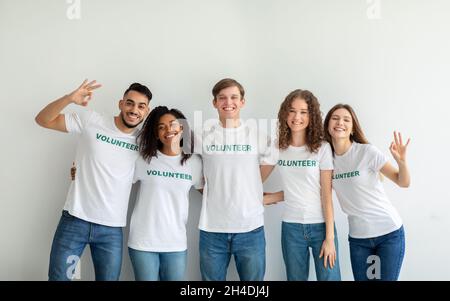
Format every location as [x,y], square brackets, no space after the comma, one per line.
[220,95]
[174,120]
[345,116]
[142,102]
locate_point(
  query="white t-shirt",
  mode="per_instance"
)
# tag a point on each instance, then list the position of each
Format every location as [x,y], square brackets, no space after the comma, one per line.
[361,194]
[300,176]
[105,159]
[233,194]
[158,222]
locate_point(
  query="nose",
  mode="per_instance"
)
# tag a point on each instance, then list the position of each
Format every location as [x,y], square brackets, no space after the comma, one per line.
[228,101]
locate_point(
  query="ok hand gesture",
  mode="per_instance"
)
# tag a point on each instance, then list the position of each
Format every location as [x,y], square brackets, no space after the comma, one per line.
[83,94]
[398,149]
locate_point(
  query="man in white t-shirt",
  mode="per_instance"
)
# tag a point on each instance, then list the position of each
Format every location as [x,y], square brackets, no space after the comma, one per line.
[96,206]
[232,214]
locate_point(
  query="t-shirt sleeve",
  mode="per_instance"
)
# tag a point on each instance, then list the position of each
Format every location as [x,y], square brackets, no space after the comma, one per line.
[197,172]
[326,157]
[77,122]
[376,158]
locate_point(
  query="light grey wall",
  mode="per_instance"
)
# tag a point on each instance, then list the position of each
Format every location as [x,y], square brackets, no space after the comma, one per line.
[390,64]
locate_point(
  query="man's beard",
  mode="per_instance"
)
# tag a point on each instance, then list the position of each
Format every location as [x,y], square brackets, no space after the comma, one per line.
[130,126]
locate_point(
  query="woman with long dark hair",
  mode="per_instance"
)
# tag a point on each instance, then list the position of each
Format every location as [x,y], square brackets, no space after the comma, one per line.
[167,170]
[376,234]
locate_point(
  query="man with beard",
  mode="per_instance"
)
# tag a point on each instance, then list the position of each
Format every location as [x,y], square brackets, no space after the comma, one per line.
[96,206]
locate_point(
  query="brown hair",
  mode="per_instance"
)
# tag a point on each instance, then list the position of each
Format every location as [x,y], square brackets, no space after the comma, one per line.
[357,134]
[314,131]
[226,83]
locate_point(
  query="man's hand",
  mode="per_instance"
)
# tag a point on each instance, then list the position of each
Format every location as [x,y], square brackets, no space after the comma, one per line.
[83,94]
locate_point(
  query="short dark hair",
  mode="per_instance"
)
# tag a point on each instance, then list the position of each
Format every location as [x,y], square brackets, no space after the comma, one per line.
[141,89]
[226,83]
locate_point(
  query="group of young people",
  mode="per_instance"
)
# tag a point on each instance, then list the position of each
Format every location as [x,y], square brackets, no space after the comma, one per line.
[227,161]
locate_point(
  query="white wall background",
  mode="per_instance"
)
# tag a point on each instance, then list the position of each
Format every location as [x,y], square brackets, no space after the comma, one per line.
[392,65]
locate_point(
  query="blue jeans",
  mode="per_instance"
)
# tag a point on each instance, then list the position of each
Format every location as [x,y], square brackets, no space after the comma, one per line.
[378,258]
[249,250]
[296,240]
[154,266]
[72,236]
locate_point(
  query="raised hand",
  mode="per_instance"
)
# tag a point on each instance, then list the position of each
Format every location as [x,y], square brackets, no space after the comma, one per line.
[83,94]
[398,149]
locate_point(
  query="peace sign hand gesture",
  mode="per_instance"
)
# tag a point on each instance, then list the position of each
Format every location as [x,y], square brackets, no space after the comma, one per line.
[83,94]
[398,150]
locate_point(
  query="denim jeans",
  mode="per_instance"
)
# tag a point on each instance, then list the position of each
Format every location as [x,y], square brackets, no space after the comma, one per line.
[72,236]
[296,240]
[154,266]
[378,258]
[248,249]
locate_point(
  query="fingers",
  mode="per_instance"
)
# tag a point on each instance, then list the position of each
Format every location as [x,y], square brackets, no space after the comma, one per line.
[94,87]
[90,85]
[84,83]
[400,138]
[395,138]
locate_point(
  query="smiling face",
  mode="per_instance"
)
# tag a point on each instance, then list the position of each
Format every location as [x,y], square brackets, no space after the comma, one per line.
[169,132]
[134,107]
[298,116]
[228,103]
[340,125]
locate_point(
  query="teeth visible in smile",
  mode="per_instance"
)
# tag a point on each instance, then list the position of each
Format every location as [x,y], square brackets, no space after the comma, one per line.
[339,129]
[228,109]
[170,135]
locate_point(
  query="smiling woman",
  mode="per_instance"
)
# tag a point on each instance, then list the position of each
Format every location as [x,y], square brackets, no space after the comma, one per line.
[158,242]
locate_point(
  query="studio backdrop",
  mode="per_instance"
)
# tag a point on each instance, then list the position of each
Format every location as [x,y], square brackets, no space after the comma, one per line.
[389,59]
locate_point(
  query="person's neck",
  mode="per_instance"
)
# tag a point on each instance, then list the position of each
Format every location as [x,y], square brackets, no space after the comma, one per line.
[341,146]
[230,123]
[169,151]
[121,126]
[298,139]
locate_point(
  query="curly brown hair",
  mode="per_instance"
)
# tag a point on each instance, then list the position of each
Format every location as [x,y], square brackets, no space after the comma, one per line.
[314,131]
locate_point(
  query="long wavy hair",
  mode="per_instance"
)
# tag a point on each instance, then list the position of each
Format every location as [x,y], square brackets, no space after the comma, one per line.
[314,131]
[357,134]
[148,139]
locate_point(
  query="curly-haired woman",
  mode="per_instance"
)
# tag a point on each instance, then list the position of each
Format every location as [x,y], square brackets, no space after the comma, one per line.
[306,166]
[157,242]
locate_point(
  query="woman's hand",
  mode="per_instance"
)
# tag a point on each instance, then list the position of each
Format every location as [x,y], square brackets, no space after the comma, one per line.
[328,252]
[398,149]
